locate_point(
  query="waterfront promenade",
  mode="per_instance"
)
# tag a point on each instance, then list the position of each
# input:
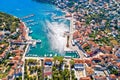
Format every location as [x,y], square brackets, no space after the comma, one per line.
[71,31]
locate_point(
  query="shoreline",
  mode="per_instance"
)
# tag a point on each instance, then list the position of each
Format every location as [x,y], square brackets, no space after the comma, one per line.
[29,37]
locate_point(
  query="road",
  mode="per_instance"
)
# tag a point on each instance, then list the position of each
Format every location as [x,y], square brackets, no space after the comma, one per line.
[75,48]
[23,59]
[72,30]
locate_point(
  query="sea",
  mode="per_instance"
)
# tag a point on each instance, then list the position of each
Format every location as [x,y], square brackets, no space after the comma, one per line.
[42,24]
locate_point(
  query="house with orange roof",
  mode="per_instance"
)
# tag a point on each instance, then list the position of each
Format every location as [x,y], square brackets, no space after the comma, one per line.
[14,66]
[85,45]
[88,61]
[68,15]
[112,77]
[16,58]
[85,78]
[2,55]
[89,71]
[100,78]
[4,78]
[48,62]
[78,64]
[11,74]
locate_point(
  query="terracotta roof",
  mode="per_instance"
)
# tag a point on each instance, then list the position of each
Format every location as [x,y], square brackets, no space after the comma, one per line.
[14,66]
[77,61]
[11,72]
[118,65]
[68,15]
[47,73]
[2,45]
[89,52]
[78,23]
[1,33]
[16,58]
[85,45]
[4,79]
[89,70]
[3,55]
[109,48]
[85,78]
[75,34]
[112,76]
[100,77]
[88,61]
[48,60]
[96,58]
[17,41]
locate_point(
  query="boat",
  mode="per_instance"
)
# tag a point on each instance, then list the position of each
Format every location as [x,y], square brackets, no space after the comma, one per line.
[30,32]
[45,55]
[50,55]
[38,41]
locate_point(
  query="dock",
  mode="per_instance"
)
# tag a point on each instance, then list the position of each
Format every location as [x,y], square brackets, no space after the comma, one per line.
[28,16]
[58,17]
[33,42]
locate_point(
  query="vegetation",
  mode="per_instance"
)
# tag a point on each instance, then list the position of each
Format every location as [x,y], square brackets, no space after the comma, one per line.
[8,22]
[32,70]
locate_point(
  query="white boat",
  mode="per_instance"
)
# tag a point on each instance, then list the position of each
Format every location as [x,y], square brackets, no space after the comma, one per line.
[50,55]
[30,32]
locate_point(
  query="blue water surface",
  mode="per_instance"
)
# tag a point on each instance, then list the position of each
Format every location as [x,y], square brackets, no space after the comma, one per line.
[42,12]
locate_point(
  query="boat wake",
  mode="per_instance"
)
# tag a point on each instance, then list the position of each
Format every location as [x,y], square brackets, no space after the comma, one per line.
[55,32]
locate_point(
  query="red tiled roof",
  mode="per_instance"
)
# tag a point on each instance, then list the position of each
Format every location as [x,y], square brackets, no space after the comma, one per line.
[16,58]
[100,77]
[118,65]
[48,60]
[109,48]
[85,78]
[4,79]
[96,58]
[112,76]
[11,72]
[2,45]
[78,61]
[3,55]
[89,52]
[85,45]
[68,15]
[14,66]
[88,61]
[47,73]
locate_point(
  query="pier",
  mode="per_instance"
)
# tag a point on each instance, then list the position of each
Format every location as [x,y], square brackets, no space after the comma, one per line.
[28,42]
[28,16]
[33,42]
[58,17]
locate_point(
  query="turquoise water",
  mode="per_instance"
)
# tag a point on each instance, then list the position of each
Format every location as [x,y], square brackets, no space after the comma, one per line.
[73,54]
[48,30]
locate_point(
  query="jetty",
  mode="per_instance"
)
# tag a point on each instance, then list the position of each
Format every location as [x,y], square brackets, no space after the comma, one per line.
[29,21]
[28,16]
[32,23]
[58,17]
